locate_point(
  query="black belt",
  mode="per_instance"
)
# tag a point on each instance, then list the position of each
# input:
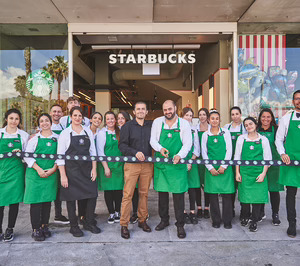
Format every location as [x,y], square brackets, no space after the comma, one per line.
[148,159]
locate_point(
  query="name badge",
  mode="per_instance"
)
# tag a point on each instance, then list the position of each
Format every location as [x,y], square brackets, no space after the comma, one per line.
[233,137]
[169,135]
[17,140]
[10,145]
[176,130]
[49,144]
[221,133]
[251,147]
[257,142]
[193,131]
[54,139]
[81,141]
[215,140]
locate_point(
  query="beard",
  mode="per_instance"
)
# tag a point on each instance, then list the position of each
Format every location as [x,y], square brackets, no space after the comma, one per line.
[170,118]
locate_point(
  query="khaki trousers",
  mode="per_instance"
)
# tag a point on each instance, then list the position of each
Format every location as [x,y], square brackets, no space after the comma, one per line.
[142,174]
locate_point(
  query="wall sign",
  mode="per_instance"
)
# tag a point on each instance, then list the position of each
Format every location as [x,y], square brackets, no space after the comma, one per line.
[39,83]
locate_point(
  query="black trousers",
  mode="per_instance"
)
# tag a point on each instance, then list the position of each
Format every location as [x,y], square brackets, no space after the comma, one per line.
[135,200]
[57,203]
[226,208]
[198,198]
[113,200]
[275,203]
[192,198]
[39,214]
[246,211]
[12,215]
[163,207]
[82,207]
[291,193]
[90,210]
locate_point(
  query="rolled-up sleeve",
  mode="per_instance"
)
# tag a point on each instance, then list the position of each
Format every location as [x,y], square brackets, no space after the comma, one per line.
[228,142]
[196,144]
[281,134]
[266,148]
[62,145]
[238,148]
[155,135]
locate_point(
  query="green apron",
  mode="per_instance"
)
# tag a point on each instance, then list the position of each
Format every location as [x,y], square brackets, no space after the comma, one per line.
[170,177]
[273,171]
[58,131]
[220,184]
[116,181]
[37,189]
[251,191]
[290,175]
[201,167]
[12,173]
[193,174]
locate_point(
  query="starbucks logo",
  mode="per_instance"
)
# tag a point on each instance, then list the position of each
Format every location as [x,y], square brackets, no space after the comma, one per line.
[39,83]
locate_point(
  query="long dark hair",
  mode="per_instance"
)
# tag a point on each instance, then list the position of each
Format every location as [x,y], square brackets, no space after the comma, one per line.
[185,110]
[12,111]
[117,130]
[126,116]
[273,122]
[252,119]
[44,114]
[95,113]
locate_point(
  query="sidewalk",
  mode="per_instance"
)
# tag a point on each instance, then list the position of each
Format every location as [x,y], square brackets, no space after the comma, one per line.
[203,245]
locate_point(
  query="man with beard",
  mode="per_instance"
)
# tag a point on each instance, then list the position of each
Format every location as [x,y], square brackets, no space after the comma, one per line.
[287,137]
[171,137]
[135,141]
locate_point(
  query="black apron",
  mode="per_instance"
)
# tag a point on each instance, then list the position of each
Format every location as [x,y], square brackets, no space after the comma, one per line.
[80,185]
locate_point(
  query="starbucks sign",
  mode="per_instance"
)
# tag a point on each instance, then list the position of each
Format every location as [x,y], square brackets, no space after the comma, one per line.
[40,83]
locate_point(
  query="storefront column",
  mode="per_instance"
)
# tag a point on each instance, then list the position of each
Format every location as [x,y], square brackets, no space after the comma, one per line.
[103,101]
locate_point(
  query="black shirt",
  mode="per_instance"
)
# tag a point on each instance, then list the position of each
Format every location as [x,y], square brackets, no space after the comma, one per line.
[135,138]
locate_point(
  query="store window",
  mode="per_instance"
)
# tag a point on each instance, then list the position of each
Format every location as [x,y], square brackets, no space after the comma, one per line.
[33,69]
[268,67]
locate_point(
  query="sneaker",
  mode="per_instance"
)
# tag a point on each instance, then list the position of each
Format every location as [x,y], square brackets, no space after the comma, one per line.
[206,214]
[46,231]
[199,213]
[193,218]
[8,235]
[134,218]
[61,220]
[275,219]
[92,228]
[111,218]
[253,227]
[117,217]
[291,231]
[244,222]
[38,235]
[76,231]
[187,219]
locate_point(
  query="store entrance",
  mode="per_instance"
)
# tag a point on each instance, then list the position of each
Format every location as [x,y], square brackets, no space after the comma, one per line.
[116,71]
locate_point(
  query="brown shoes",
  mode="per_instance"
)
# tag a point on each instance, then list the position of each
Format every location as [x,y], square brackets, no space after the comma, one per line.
[125,232]
[144,226]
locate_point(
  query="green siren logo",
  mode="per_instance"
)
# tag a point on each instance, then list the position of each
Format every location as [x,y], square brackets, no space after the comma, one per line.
[40,83]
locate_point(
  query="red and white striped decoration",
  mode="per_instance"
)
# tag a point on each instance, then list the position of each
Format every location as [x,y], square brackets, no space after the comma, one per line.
[267,50]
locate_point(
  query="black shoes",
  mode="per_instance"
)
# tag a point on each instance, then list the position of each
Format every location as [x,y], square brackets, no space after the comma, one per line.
[187,219]
[199,213]
[37,235]
[244,222]
[145,227]
[206,214]
[92,228]
[228,226]
[45,230]
[111,218]
[216,225]
[8,235]
[76,231]
[117,217]
[134,218]
[181,232]
[253,227]
[125,232]
[161,226]
[193,218]
[61,220]
[275,219]
[291,231]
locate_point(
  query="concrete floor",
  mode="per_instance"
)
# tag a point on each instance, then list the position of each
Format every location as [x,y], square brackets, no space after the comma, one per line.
[203,245]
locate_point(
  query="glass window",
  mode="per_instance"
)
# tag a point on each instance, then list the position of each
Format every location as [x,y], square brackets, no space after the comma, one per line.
[268,67]
[33,69]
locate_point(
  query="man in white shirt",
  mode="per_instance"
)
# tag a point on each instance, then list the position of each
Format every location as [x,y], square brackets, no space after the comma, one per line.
[65,121]
[287,144]
[171,137]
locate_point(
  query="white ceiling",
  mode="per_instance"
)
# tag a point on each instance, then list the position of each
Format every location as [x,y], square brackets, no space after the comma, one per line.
[138,11]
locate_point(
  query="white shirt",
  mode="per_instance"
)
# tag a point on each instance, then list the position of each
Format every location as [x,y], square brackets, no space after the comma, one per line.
[64,121]
[198,127]
[89,128]
[196,142]
[235,129]
[265,145]
[64,141]
[101,140]
[32,144]
[24,136]
[282,131]
[57,126]
[228,142]
[185,134]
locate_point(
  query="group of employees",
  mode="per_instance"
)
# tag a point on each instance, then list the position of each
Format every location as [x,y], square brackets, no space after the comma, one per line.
[126,185]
